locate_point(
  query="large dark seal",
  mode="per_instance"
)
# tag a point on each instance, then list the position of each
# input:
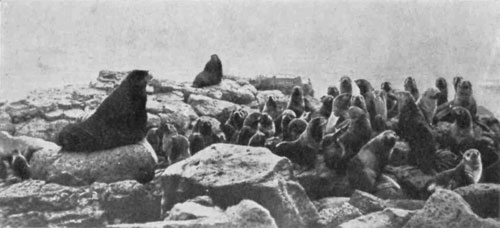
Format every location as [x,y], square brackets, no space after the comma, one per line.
[469,171]
[365,169]
[345,85]
[303,151]
[414,128]
[296,102]
[211,75]
[410,86]
[120,120]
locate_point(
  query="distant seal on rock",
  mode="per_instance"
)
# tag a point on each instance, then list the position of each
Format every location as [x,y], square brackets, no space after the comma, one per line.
[120,120]
[345,85]
[303,151]
[469,171]
[410,86]
[204,128]
[427,103]
[296,102]
[364,169]
[211,75]
[442,86]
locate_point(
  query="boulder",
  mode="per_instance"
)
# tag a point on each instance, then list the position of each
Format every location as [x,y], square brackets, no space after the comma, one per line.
[388,218]
[131,162]
[366,202]
[246,214]
[40,128]
[229,173]
[484,199]
[330,202]
[191,210]
[206,106]
[6,123]
[284,83]
[410,178]
[332,217]
[406,204]
[21,111]
[446,208]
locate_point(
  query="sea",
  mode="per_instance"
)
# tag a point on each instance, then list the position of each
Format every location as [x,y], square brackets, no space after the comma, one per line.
[46,44]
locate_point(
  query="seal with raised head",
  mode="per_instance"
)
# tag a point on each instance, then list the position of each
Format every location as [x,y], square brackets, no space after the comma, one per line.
[468,171]
[339,113]
[204,128]
[286,117]
[345,85]
[427,103]
[250,127]
[295,128]
[233,124]
[271,108]
[303,150]
[296,102]
[266,125]
[365,169]
[375,100]
[391,101]
[326,107]
[211,75]
[465,98]
[410,86]
[442,86]
[120,120]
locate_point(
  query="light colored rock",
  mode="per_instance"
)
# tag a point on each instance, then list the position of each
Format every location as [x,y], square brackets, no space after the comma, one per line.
[330,202]
[73,114]
[54,115]
[206,106]
[284,83]
[406,204]
[332,217]
[6,123]
[40,128]
[446,208]
[131,162]
[484,199]
[263,95]
[190,210]
[230,173]
[366,202]
[388,218]
[21,111]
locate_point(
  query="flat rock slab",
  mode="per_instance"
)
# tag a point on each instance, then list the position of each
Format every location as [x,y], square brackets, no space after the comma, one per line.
[131,162]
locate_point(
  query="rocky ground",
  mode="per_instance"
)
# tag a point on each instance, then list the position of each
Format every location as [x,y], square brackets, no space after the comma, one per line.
[221,186]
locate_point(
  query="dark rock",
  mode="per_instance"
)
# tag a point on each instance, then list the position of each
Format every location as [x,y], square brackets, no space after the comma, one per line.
[484,199]
[6,123]
[410,178]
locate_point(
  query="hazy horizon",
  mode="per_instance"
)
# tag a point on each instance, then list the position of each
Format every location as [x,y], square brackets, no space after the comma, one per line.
[51,43]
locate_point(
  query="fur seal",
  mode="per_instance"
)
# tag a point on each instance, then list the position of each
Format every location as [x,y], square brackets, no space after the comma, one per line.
[375,100]
[469,171]
[119,120]
[20,166]
[358,133]
[428,103]
[339,113]
[175,147]
[465,98]
[410,85]
[266,125]
[414,129]
[461,131]
[442,86]
[296,102]
[331,150]
[303,150]
[286,117]
[250,127]
[211,75]
[391,101]
[196,143]
[364,169]
[333,91]
[295,128]
[202,128]
[258,139]
[326,107]
[456,81]
[345,85]
[271,108]
[233,124]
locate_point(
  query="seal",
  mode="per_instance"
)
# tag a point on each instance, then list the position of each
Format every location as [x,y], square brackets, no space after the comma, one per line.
[465,98]
[286,117]
[296,128]
[119,120]
[345,85]
[461,131]
[339,113]
[410,85]
[333,91]
[391,101]
[296,102]
[456,81]
[271,108]
[258,139]
[175,147]
[375,100]
[250,127]
[358,133]
[266,125]
[233,124]
[196,143]
[331,150]
[326,107]
[365,168]
[303,150]
[20,166]
[427,103]
[442,86]
[211,75]
[413,128]
[468,171]
[205,129]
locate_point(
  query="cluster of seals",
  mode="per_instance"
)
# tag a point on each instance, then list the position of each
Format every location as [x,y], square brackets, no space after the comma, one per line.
[428,103]
[119,120]
[203,136]
[211,75]
[468,171]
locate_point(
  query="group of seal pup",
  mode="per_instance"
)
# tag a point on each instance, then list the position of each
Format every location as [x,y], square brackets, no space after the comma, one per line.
[355,134]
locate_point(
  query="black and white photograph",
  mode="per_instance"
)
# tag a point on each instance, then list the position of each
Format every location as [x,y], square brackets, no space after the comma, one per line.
[250,113]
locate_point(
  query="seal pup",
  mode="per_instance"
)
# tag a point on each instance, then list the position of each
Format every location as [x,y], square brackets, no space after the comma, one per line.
[442,86]
[175,147]
[250,127]
[295,128]
[345,85]
[468,171]
[339,113]
[365,168]
[296,102]
[20,166]
[413,128]
[465,98]
[266,125]
[202,128]
[303,150]
[258,139]
[233,125]
[271,108]
[375,101]
[410,86]
[427,103]
[456,81]
[286,117]
[326,107]
[121,119]
[211,75]
[333,91]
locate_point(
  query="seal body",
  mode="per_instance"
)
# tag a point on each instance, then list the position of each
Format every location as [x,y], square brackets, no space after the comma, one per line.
[20,166]
[333,91]
[442,86]
[211,75]
[296,102]
[119,120]
[410,86]
[286,117]
[365,169]
[266,125]
[345,85]
[427,103]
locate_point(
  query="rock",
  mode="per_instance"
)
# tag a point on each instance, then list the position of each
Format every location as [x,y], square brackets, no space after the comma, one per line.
[202,200]
[484,199]
[206,106]
[190,210]
[154,107]
[54,115]
[406,204]
[40,128]
[246,214]
[6,123]
[388,218]
[73,114]
[131,162]
[410,178]
[284,83]
[229,173]
[332,217]
[366,202]
[108,80]
[21,111]
[330,202]
[446,208]
[168,97]
[153,120]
